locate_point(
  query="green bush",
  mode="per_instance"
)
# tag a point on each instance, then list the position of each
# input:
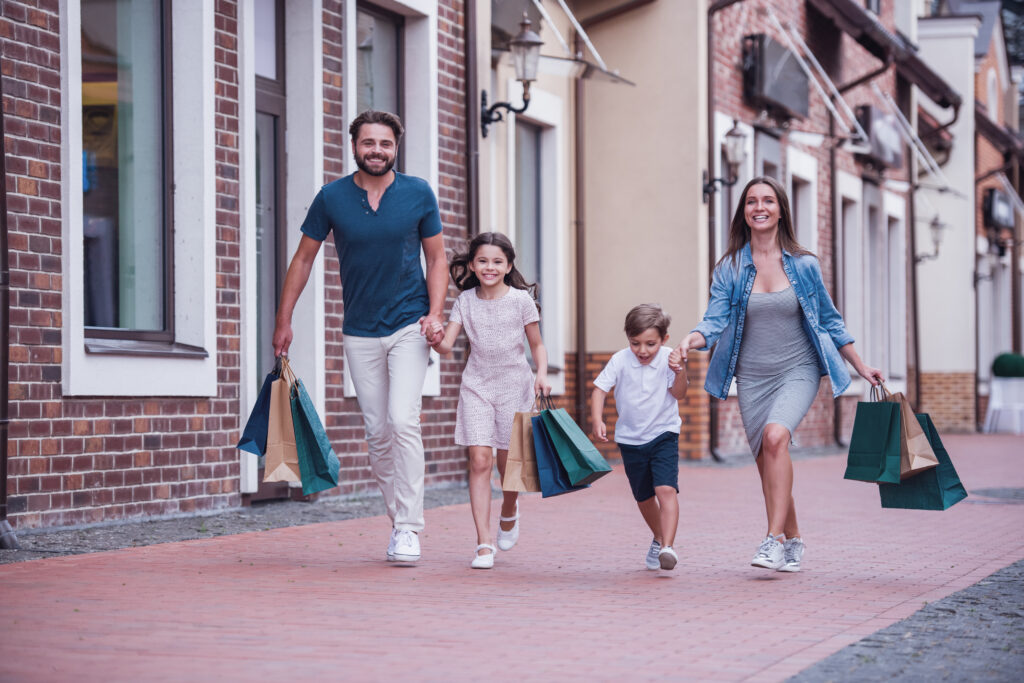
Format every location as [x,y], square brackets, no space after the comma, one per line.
[1008,365]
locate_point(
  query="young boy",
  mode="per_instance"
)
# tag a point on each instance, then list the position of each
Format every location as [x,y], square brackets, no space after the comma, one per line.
[647,394]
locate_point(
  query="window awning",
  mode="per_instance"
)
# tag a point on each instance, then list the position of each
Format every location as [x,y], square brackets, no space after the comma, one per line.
[1001,138]
[864,27]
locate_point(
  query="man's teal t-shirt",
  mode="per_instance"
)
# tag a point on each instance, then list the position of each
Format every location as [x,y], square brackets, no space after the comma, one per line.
[382,282]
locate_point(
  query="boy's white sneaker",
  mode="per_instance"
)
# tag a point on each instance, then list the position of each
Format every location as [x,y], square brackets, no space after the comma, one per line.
[667,558]
[770,554]
[407,546]
[651,561]
[793,552]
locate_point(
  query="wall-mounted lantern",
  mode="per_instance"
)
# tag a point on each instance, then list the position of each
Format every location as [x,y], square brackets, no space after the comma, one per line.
[735,147]
[525,55]
[935,228]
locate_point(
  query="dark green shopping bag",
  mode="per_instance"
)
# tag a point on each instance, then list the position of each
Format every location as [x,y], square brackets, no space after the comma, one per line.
[318,464]
[583,462]
[874,453]
[935,489]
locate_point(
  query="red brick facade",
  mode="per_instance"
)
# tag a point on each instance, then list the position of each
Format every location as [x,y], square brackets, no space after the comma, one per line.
[86,460]
[845,61]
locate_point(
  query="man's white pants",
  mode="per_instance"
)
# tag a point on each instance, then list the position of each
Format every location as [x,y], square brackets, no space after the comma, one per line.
[387,373]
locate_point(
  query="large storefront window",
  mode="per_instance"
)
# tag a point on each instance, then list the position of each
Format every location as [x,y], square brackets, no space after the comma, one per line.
[125,161]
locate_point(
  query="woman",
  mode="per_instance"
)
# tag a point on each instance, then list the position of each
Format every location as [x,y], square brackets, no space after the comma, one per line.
[773,326]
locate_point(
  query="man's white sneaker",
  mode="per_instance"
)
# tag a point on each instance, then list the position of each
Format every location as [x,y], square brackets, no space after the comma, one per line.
[770,554]
[652,561]
[507,539]
[407,547]
[793,551]
[391,545]
[667,558]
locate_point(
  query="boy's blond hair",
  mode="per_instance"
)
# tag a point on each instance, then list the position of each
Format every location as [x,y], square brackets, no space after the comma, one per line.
[644,317]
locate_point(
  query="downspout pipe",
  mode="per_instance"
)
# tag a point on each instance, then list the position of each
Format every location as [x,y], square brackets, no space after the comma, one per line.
[472,122]
[713,9]
[1015,274]
[8,539]
[579,166]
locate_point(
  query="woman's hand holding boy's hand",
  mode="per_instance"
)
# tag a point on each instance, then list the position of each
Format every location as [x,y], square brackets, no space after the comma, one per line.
[676,359]
[600,431]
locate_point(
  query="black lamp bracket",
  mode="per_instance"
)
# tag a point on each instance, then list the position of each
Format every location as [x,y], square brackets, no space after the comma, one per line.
[493,114]
[710,185]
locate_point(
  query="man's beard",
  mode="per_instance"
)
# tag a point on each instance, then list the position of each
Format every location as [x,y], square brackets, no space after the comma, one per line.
[365,168]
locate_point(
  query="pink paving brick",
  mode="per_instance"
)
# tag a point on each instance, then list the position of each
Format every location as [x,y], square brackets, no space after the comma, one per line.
[572,600]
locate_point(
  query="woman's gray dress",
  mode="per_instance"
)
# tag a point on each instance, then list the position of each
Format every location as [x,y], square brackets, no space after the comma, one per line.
[777,372]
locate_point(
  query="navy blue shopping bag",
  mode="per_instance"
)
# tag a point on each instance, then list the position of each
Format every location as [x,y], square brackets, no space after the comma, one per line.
[554,480]
[254,436]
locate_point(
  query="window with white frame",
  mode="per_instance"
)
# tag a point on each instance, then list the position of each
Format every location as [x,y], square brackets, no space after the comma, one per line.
[126,162]
[139,294]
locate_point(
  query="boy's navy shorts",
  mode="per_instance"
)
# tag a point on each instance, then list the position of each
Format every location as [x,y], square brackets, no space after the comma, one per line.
[655,463]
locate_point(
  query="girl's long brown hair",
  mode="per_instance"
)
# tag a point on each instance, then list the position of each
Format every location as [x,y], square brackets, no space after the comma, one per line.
[466,279]
[739,231]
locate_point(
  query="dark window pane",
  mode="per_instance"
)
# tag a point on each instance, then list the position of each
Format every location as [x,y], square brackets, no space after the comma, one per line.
[123,162]
[378,62]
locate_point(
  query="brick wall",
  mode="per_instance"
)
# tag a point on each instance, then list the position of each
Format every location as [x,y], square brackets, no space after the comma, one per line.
[343,420]
[845,60]
[949,398]
[83,460]
[693,409]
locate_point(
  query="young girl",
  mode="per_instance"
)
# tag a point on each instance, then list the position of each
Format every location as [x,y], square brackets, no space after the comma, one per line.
[495,308]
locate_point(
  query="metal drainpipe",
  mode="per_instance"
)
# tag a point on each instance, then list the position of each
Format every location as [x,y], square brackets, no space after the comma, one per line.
[580,210]
[8,539]
[472,124]
[1015,274]
[914,314]
[712,11]
[837,413]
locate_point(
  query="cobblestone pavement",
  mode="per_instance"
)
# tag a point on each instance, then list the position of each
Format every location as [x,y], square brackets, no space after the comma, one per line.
[976,634]
[571,586]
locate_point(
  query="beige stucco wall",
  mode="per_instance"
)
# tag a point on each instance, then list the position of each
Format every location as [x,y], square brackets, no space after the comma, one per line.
[644,150]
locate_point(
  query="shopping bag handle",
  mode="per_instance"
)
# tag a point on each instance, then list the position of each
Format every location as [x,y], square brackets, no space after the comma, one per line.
[879,392]
[543,401]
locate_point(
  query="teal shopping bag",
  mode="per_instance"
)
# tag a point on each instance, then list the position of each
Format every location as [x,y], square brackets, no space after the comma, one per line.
[583,462]
[874,453]
[552,475]
[934,489]
[318,465]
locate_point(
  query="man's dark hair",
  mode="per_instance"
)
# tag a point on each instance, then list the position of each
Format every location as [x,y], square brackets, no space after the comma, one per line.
[383,117]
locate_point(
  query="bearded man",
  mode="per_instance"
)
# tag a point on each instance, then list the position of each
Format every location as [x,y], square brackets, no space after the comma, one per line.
[381,219]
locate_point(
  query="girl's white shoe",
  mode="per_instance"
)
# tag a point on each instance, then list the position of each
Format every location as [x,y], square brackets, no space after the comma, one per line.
[484,561]
[507,539]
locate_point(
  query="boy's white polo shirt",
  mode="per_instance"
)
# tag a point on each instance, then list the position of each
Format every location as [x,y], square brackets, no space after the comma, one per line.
[646,408]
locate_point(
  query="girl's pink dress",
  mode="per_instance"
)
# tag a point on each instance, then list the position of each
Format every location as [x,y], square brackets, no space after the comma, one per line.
[497,381]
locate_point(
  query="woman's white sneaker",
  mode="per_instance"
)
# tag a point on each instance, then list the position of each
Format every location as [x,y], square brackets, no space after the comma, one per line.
[770,554]
[793,552]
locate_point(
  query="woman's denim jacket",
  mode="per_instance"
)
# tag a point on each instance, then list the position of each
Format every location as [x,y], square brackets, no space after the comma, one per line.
[722,325]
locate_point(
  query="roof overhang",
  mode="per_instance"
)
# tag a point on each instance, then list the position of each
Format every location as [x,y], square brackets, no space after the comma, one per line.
[863,26]
[1001,137]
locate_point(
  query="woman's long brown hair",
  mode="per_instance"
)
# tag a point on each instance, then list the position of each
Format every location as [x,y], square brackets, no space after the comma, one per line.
[739,231]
